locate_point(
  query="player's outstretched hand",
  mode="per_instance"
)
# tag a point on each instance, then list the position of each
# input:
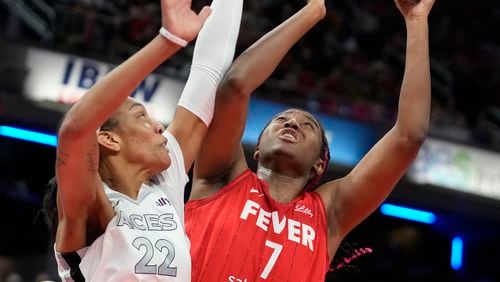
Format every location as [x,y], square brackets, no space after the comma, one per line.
[318,6]
[181,20]
[317,3]
[414,9]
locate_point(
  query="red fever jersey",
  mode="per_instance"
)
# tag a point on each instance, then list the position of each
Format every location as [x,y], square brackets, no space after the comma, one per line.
[242,234]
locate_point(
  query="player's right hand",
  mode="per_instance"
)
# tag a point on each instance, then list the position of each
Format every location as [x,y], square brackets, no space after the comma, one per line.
[181,20]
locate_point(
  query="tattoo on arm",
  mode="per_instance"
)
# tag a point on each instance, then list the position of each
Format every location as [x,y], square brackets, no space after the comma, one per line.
[61,159]
[92,159]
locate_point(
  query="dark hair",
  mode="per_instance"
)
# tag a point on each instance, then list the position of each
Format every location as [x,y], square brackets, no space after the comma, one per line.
[324,155]
[110,124]
[49,207]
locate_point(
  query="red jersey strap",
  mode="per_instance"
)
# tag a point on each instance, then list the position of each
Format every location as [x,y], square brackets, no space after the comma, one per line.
[319,200]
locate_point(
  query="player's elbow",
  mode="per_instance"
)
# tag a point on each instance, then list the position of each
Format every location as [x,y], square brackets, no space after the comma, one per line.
[418,134]
[412,134]
[234,85]
[70,129]
[413,139]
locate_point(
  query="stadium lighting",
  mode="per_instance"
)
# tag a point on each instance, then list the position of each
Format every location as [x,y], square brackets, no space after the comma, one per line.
[457,248]
[28,135]
[408,213]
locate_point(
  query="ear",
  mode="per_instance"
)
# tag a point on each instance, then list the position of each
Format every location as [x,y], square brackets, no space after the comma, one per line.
[109,140]
[256,154]
[319,166]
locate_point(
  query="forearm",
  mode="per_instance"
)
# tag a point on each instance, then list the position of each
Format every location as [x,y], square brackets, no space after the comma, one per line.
[367,186]
[108,94]
[213,54]
[415,97]
[257,63]
[216,43]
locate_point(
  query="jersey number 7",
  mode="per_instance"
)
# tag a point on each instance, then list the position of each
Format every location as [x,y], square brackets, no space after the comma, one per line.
[272,260]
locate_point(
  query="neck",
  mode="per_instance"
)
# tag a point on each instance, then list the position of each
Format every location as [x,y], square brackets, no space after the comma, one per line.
[283,188]
[123,177]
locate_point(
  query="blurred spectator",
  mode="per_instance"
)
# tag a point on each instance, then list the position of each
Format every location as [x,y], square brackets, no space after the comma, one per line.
[7,271]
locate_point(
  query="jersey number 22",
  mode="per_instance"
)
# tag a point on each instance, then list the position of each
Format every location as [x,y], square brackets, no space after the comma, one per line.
[143,266]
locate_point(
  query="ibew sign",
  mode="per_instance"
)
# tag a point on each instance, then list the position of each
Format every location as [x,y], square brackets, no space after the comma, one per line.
[64,79]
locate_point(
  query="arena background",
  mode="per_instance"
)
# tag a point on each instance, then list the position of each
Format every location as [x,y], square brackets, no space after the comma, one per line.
[347,70]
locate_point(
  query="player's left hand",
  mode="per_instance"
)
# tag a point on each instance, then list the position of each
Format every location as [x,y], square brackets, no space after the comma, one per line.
[181,20]
[414,9]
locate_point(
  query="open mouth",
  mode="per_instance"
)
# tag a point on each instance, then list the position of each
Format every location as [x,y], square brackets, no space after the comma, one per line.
[288,135]
[164,145]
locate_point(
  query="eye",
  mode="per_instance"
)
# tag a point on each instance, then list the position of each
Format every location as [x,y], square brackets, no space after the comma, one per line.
[281,118]
[141,114]
[309,124]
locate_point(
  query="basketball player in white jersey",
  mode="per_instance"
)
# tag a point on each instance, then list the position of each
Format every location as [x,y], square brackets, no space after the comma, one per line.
[121,175]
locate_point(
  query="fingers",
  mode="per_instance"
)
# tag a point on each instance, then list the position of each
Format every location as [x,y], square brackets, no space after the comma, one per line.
[414,9]
[204,13]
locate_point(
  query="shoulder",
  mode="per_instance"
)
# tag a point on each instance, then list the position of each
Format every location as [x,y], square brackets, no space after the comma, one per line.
[328,191]
[206,192]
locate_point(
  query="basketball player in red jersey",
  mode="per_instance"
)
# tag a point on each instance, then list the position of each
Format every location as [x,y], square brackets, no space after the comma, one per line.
[270,225]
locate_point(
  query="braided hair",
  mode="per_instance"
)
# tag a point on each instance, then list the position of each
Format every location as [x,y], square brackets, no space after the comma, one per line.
[346,257]
[325,157]
[49,207]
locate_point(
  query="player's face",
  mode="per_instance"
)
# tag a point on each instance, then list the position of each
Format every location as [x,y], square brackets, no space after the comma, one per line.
[142,137]
[294,133]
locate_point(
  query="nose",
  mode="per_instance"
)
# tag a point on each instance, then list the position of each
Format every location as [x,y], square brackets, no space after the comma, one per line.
[292,123]
[159,128]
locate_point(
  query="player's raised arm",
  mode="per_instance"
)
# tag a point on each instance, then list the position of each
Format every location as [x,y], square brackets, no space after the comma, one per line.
[77,152]
[221,157]
[213,54]
[351,199]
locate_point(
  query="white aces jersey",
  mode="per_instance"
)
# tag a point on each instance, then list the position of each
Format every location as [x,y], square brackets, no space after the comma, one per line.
[145,240]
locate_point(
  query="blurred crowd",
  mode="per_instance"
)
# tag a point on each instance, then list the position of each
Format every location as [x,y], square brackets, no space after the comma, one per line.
[350,65]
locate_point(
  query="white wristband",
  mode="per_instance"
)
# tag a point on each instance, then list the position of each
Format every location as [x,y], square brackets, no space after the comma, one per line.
[172,37]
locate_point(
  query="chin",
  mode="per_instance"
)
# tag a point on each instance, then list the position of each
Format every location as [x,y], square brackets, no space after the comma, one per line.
[161,165]
[285,150]
[165,165]
[164,161]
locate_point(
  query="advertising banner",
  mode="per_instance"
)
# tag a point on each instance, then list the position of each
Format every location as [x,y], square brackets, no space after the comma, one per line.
[64,78]
[457,167]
